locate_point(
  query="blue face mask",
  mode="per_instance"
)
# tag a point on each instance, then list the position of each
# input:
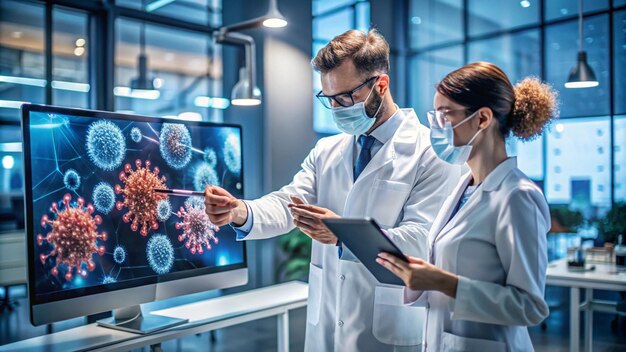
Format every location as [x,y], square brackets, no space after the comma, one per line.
[442,141]
[353,119]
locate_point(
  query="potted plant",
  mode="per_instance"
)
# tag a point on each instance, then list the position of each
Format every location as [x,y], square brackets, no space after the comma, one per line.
[613,223]
[296,252]
[565,220]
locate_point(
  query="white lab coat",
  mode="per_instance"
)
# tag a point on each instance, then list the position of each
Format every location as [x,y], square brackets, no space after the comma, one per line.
[496,244]
[402,188]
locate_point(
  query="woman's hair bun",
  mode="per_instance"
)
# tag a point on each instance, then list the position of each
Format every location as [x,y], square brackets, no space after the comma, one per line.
[535,106]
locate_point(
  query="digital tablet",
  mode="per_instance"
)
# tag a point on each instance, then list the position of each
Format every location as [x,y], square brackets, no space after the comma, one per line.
[365,239]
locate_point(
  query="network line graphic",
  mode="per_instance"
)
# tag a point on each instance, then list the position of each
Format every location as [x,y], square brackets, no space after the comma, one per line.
[99,220]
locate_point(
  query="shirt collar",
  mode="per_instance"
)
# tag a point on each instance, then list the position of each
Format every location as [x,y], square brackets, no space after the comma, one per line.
[384,132]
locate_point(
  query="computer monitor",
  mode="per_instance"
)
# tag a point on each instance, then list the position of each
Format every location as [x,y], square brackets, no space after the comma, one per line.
[100,237]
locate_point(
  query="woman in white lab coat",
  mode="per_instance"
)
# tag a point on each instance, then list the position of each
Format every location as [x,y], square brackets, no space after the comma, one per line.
[484,281]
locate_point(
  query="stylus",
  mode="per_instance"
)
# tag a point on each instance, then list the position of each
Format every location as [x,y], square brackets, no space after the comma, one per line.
[179,192]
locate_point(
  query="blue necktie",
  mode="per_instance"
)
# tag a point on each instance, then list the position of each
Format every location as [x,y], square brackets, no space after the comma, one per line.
[366,143]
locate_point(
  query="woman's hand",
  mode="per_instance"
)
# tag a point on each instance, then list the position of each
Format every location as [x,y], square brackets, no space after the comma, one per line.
[420,275]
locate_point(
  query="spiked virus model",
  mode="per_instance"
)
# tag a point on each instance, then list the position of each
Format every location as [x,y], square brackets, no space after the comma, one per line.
[103,197]
[164,210]
[106,145]
[160,254]
[71,179]
[232,153]
[210,156]
[140,197]
[73,237]
[135,134]
[175,145]
[119,254]
[205,175]
[198,230]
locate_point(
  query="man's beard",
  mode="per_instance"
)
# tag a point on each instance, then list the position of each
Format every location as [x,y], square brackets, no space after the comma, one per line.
[373,106]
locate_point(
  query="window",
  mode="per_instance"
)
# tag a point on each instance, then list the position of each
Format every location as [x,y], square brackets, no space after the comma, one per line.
[487,16]
[566,8]
[435,22]
[572,161]
[518,55]
[70,85]
[578,163]
[428,69]
[178,67]
[619,63]
[22,75]
[619,154]
[331,18]
[208,12]
[561,55]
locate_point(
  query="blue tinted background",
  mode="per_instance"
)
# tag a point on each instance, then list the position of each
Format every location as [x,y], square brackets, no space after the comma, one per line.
[58,143]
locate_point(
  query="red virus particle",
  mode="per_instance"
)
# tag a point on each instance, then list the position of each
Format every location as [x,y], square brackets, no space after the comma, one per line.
[198,230]
[140,197]
[73,236]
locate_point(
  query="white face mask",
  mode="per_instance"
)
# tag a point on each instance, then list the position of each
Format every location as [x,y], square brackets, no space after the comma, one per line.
[442,141]
[353,119]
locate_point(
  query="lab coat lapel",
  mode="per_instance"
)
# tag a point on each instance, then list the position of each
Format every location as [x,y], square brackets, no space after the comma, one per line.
[448,207]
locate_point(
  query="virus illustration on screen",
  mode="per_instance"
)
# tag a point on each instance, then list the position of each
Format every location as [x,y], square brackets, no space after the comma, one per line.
[175,145]
[71,179]
[119,254]
[74,237]
[160,254]
[164,210]
[210,156]
[232,153]
[103,197]
[140,197]
[205,175]
[106,145]
[198,230]
[108,280]
[135,134]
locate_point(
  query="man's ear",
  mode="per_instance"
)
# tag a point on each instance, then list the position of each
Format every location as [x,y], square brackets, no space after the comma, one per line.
[383,84]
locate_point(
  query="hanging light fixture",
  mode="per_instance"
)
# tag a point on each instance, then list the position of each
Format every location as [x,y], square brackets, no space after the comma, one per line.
[142,82]
[272,19]
[582,75]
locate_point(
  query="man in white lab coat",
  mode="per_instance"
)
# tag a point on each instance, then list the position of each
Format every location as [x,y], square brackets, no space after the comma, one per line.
[382,167]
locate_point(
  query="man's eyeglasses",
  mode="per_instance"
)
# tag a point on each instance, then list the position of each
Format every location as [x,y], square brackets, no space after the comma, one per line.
[343,99]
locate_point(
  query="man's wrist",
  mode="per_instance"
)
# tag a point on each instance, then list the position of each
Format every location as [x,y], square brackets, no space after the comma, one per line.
[240,214]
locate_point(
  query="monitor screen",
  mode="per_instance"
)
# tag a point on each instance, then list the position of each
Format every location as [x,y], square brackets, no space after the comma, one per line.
[96,223]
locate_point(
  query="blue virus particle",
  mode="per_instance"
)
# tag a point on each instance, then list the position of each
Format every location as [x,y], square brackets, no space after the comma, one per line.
[195,201]
[103,197]
[232,153]
[108,280]
[160,254]
[210,157]
[119,254]
[106,145]
[205,175]
[135,134]
[164,210]
[175,145]
[71,179]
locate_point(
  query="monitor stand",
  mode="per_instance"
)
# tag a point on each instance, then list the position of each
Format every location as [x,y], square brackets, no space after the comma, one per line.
[131,319]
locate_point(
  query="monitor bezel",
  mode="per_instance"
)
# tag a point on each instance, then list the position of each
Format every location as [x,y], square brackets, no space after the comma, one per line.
[149,285]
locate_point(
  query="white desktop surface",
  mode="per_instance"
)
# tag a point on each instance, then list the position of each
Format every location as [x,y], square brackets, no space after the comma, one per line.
[605,276]
[236,308]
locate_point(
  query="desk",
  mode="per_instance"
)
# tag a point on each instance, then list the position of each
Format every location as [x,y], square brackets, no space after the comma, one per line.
[215,313]
[603,278]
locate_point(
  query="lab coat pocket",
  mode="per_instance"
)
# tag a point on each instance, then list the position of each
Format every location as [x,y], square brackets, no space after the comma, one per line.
[315,295]
[387,200]
[394,322]
[455,343]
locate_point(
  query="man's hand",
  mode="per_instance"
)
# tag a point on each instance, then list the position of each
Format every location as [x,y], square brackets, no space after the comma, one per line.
[308,218]
[222,208]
